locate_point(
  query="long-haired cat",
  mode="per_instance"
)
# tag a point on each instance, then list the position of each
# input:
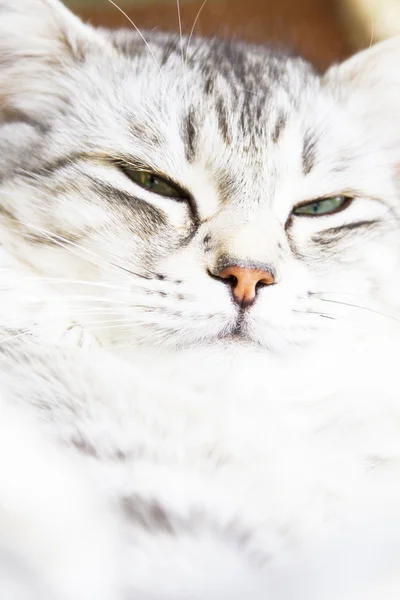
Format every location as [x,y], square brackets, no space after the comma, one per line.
[199,326]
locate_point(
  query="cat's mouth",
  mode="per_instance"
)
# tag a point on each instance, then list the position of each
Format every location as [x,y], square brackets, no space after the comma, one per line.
[239,330]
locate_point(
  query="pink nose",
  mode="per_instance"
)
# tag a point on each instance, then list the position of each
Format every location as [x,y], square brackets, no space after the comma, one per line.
[245,282]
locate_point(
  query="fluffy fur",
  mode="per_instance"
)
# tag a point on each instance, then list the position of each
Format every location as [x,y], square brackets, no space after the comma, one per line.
[158,442]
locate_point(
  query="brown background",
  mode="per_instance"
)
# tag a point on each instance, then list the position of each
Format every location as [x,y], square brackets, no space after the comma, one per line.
[312,27]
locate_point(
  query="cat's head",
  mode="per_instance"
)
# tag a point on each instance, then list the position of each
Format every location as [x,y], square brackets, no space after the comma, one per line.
[187,191]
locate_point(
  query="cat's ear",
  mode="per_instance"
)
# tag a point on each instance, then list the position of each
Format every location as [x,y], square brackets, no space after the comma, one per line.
[39,41]
[369,84]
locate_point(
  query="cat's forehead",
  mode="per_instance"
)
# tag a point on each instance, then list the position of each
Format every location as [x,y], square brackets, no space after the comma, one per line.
[213,95]
[238,81]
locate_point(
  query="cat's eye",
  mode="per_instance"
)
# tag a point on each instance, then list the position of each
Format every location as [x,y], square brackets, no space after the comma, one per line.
[324,206]
[154,183]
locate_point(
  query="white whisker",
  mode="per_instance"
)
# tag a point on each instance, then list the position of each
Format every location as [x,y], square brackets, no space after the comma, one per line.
[360,307]
[141,35]
[180,30]
[355,294]
[16,336]
[371,10]
[193,28]
[60,280]
[69,244]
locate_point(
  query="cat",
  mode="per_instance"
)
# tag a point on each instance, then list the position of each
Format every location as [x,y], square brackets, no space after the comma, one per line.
[199,289]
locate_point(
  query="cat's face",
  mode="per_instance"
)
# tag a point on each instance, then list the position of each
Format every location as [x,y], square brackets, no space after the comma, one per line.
[222,192]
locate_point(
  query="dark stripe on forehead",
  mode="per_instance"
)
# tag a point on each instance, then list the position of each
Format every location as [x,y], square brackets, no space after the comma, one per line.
[190,134]
[279,127]
[171,48]
[309,152]
[223,123]
[209,84]
[146,134]
[227,185]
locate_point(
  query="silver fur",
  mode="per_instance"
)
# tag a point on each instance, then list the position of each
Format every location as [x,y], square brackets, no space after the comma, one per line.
[186,430]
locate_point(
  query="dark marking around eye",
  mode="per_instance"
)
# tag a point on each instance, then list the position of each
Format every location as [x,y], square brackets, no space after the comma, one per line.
[351,226]
[58,164]
[309,152]
[278,129]
[190,134]
[292,245]
[330,237]
[147,218]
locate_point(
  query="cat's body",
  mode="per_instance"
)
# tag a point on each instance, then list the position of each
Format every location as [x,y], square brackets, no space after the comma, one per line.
[230,483]
[211,435]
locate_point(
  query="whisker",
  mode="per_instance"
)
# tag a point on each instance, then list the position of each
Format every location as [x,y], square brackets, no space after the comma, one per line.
[125,345]
[313,312]
[193,28]
[141,35]
[78,249]
[356,294]
[178,8]
[107,322]
[59,280]
[16,336]
[67,244]
[56,237]
[87,298]
[366,308]
[371,43]
[18,322]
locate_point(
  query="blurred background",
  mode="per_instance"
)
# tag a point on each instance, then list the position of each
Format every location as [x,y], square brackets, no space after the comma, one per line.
[323,31]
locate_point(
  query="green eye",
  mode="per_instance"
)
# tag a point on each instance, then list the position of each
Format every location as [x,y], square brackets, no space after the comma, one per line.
[325,206]
[154,183]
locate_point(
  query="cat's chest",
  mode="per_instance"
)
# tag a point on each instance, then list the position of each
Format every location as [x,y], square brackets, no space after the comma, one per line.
[291,475]
[273,452]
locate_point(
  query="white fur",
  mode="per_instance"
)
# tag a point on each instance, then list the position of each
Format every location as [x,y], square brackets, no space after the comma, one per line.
[276,458]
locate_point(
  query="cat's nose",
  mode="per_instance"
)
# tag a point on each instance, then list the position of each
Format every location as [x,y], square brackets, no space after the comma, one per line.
[245,282]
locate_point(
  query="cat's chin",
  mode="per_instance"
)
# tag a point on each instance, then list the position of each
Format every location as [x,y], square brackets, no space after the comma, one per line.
[238,333]
[272,340]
